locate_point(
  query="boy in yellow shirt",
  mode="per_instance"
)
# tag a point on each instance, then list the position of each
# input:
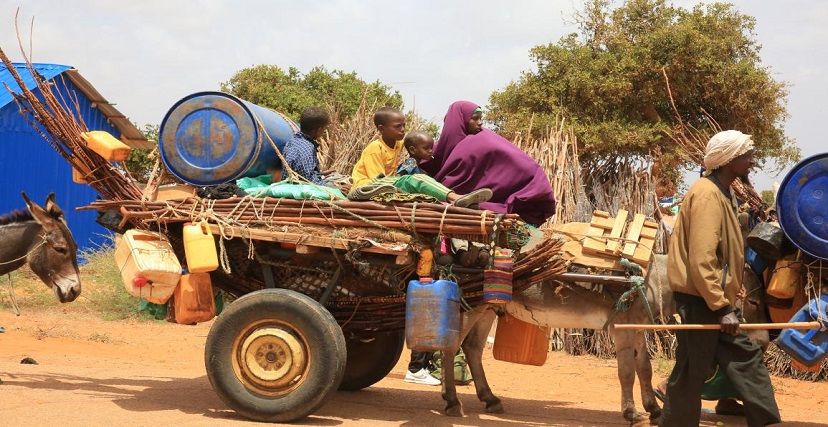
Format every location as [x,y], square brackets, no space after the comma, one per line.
[376,170]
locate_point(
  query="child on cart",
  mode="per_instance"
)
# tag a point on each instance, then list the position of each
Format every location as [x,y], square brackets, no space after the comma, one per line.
[375,172]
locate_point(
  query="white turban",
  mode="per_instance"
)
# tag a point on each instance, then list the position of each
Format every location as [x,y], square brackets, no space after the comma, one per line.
[724,147]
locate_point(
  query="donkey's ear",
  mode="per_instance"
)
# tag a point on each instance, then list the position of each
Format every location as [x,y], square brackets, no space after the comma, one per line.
[52,208]
[38,213]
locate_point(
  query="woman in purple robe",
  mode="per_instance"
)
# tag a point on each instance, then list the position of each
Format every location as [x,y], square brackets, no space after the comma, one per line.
[468,157]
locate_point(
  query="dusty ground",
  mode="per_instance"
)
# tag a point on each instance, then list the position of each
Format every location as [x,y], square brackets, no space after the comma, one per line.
[95,372]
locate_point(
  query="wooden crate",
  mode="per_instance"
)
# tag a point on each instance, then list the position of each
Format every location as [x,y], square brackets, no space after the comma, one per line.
[604,237]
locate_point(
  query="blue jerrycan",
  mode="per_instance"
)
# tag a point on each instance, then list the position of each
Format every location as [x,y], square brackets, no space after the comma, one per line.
[432,315]
[808,347]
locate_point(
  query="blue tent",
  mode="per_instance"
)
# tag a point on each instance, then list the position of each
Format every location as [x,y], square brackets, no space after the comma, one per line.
[30,164]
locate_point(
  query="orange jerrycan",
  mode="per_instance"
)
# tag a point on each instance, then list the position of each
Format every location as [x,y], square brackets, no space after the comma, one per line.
[200,248]
[517,341]
[193,299]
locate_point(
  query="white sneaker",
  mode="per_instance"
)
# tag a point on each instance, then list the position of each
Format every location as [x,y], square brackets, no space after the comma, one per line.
[421,377]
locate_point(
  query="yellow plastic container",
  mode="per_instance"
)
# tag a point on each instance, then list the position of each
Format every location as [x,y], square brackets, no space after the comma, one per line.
[786,278]
[193,300]
[200,248]
[517,341]
[106,145]
[148,265]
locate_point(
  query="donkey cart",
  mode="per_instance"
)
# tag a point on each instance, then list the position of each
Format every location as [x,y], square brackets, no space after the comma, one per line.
[320,295]
[319,286]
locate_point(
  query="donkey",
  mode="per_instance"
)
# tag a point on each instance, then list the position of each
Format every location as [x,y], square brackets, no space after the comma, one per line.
[40,238]
[579,308]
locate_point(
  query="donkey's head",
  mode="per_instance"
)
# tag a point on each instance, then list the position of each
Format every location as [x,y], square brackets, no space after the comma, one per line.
[53,257]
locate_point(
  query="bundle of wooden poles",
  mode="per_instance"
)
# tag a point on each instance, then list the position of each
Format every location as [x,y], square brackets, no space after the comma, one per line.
[265,213]
[693,142]
[53,118]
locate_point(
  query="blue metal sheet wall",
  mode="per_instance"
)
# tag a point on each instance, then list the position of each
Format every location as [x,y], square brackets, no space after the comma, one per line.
[29,164]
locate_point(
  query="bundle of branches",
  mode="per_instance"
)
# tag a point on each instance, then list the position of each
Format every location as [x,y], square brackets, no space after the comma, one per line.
[268,213]
[621,183]
[557,153]
[53,118]
[345,138]
[693,142]
[607,184]
[578,342]
[779,363]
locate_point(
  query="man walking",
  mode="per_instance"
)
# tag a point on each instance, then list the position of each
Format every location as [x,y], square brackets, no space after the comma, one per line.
[705,264]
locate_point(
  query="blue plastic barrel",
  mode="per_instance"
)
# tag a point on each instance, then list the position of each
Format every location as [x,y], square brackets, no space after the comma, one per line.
[802,205]
[432,315]
[808,347]
[211,138]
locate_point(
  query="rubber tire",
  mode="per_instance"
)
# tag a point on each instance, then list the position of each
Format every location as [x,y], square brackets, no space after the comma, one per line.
[369,362]
[325,343]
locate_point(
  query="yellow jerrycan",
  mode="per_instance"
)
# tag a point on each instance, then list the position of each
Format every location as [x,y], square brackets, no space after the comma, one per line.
[200,248]
[106,145]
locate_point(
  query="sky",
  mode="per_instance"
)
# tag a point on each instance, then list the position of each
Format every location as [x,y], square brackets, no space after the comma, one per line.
[145,55]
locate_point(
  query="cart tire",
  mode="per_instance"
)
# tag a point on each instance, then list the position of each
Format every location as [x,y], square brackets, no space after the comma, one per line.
[371,359]
[275,355]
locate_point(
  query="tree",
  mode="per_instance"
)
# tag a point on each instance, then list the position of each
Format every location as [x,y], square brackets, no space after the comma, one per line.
[608,81]
[140,162]
[768,197]
[290,92]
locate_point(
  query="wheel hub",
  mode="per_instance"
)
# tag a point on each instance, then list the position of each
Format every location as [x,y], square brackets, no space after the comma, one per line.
[272,359]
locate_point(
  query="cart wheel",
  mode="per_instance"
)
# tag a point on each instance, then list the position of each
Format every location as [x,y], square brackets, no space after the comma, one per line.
[275,355]
[371,358]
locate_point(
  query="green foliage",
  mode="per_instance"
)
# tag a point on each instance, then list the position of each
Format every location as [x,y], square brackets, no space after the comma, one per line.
[290,92]
[607,81]
[767,197]
[140,162]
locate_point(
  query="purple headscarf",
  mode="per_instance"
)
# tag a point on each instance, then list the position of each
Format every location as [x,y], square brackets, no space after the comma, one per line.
[465,162]
[454,131]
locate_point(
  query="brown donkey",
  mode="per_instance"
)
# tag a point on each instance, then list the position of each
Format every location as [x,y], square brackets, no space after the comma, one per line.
[579,308]
[40,238]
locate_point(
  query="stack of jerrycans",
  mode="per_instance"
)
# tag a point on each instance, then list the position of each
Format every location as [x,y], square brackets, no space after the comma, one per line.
[194,301]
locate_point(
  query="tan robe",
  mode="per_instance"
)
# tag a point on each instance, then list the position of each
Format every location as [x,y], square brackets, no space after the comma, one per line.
[705,239]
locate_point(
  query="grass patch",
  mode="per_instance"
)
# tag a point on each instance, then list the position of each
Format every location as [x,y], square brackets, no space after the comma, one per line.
[102,292]
[106,294]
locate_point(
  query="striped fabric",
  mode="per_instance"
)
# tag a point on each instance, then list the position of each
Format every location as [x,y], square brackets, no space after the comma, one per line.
[497,280]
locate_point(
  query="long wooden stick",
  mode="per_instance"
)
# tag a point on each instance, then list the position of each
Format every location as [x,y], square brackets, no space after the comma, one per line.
[697,327]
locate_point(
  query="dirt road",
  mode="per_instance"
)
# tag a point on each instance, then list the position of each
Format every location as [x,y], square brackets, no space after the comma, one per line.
[94,372]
